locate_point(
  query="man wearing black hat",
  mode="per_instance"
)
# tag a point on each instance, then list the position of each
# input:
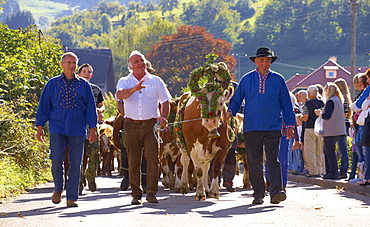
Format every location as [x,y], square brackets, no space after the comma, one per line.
[266,102]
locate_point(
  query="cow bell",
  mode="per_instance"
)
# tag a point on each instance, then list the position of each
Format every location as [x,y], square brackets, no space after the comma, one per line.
[214,134]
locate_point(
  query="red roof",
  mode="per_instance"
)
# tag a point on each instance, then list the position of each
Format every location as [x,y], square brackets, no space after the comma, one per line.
[319,76]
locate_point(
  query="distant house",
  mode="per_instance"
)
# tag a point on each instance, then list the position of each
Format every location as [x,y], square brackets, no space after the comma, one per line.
[328,72]
[101,61]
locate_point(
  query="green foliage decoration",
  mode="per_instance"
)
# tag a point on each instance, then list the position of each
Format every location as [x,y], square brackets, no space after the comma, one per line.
[217,79]
[180,140]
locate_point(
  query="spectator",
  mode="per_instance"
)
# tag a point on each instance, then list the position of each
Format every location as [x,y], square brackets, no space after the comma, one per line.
[313,149]
[356,106]
[359,82]
[298,145]
[333,127]
[342,141]
[321,91]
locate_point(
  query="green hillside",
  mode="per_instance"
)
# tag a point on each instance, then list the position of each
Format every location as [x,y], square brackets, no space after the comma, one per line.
[53,9]
[304,34]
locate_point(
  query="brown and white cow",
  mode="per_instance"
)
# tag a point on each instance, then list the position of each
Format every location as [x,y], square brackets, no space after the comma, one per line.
[107,148]
[200,148]
[169,153]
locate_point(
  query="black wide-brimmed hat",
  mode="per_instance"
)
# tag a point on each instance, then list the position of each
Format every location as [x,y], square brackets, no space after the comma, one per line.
[264,52]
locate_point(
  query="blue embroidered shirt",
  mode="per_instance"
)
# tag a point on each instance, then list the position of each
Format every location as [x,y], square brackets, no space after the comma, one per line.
[267,102]
[68,105]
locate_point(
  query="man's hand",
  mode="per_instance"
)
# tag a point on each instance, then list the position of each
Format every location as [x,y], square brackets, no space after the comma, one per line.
[163,123]
[126,93]
[228,114]
[92,135]
[290,133]
[40,136]
[140,85]
[295,145]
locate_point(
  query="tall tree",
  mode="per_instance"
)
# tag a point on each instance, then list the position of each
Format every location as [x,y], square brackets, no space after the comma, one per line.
[136,35]
[21,19]
[178,54]
[106,24]
[113,8]
[244,8]
[150,6]
[216,16]
[168,5]
[135,6]
[10,8]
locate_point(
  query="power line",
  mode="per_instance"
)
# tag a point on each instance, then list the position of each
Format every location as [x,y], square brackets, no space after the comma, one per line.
[295,66]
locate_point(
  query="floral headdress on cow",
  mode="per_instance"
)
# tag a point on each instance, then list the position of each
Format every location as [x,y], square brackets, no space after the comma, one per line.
[211,78]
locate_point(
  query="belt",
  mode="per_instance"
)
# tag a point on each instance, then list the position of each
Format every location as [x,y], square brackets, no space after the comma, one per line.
[139,121]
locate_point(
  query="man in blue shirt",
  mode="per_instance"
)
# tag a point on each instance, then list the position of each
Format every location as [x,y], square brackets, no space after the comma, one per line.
[67,102]
[266,103]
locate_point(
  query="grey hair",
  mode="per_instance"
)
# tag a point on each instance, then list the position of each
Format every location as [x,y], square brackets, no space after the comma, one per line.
[71,54]
[135,52]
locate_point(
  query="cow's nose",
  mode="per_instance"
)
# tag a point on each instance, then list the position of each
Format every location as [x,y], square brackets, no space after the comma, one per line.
[211,122]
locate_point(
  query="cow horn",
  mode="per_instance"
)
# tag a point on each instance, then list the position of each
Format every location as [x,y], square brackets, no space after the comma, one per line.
[214,134]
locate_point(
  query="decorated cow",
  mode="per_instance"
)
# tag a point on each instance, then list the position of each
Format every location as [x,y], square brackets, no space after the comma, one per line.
[169,153]
[203,132]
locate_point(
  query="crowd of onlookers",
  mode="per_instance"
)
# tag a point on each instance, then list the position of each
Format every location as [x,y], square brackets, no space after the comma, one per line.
[325,118]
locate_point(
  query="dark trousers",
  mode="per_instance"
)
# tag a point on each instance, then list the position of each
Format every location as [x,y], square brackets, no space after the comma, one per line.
[352,175]
[256,142]
[140,136]
[228,170]
[331,164]
[124,159]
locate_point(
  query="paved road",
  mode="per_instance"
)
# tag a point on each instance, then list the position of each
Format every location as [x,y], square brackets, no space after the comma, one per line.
[306,205]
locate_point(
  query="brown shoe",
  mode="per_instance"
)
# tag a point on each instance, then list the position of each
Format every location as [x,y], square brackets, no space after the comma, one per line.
[229,186]
[151,198]
[278,197]
[257,201]
[136,200]
[56,197]
[71,203]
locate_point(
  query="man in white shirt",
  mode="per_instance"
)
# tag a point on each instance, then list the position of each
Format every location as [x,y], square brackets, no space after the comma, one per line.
[146,101]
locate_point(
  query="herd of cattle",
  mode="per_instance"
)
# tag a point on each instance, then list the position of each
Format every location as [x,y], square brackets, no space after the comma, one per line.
[195,164]
[193,161]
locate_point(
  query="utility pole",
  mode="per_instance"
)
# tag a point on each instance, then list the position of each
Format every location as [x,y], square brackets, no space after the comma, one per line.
[239,62]
[354,4]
